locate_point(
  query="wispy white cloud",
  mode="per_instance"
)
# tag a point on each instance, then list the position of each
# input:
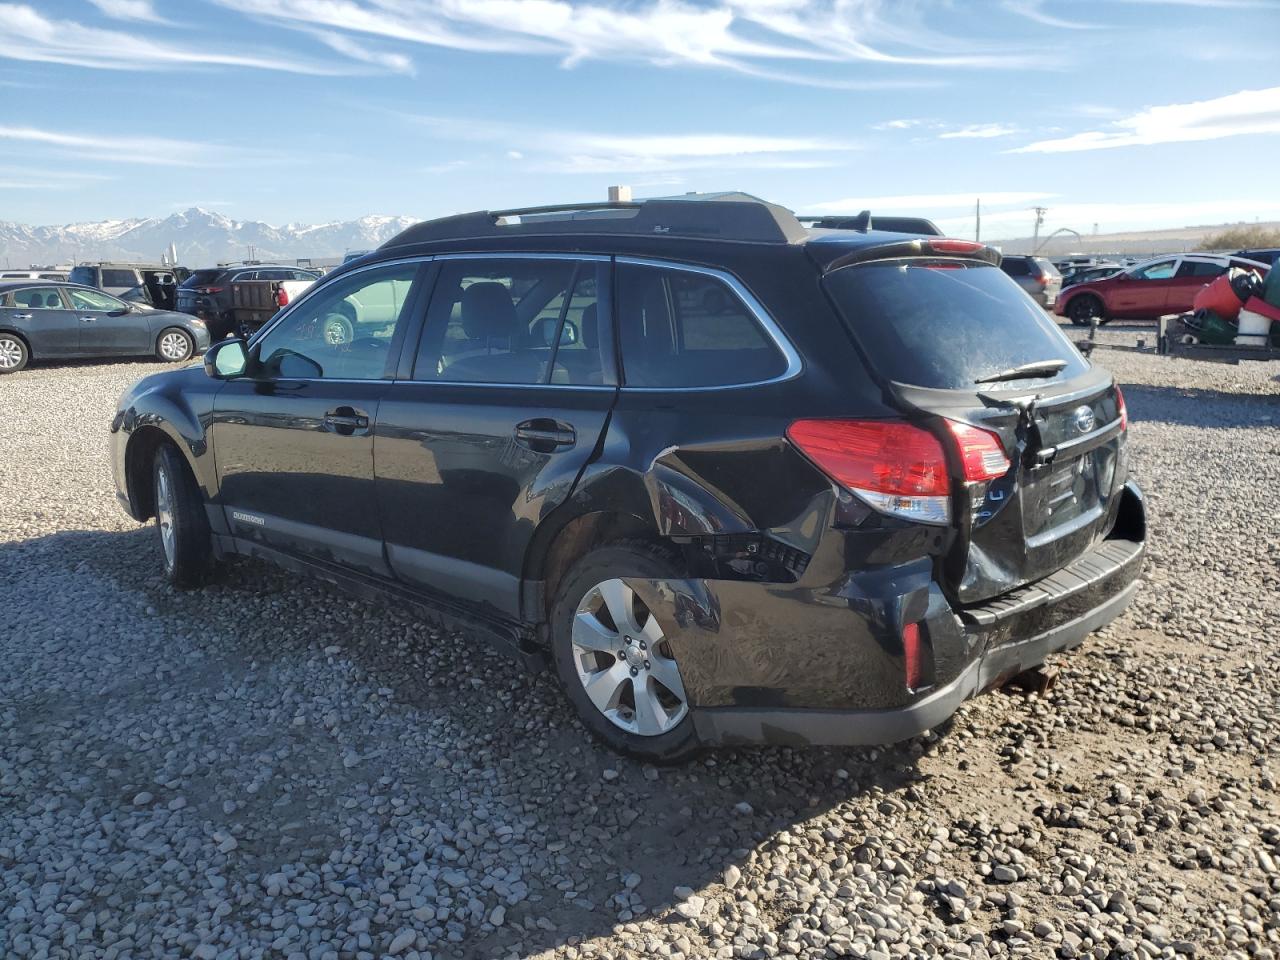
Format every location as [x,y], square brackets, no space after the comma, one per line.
[31,36]
[949,131]
[814,37]
[148,151]
[934,202]
[980,131]
[38,178]
[1034,10]
[577,151]
[140,11]
[1246,112]
[349,47]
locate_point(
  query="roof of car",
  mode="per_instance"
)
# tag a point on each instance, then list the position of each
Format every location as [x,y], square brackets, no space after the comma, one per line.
[688,228]
[13,284]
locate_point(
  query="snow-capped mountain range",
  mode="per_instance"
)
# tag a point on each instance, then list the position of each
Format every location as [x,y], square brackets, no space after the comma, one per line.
[201,237]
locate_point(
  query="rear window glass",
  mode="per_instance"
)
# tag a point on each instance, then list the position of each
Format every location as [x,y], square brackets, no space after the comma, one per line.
[1015,267]
[946,328]
[684,329]
[1047,268]
[201,278]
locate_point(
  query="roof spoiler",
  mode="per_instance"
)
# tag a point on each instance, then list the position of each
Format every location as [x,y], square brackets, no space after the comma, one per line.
[732,220]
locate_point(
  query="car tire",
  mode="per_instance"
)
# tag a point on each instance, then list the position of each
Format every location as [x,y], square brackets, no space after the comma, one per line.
[174,345]
[587,646]
[1084,308]
[186,546]
[338,329]
[13,353]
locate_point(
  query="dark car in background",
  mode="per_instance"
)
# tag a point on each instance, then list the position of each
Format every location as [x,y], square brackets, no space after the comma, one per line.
[1095,271]
[207,292]
[49,320]
[152,284]
[1268,255]
[1036,275]
[735,480]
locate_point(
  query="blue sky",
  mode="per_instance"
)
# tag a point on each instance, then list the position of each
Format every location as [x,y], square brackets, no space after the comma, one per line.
[1124,113]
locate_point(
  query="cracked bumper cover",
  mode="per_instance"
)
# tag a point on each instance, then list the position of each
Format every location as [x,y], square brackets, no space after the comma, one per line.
[802,665]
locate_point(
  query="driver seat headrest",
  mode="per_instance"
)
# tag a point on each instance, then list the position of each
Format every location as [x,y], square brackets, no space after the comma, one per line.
[487,311]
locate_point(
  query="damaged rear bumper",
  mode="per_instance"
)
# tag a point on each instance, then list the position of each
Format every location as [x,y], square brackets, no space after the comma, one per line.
[821,661]
[731,725]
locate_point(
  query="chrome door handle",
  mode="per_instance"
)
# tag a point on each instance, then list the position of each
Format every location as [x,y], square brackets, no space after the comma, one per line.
[86,319]
[22,316]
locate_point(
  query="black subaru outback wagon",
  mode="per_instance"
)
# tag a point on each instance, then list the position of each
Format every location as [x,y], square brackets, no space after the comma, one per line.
[739,481]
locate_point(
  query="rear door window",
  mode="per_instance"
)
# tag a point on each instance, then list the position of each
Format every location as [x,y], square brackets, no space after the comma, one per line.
[946,328]
[1201,268]
[38,298]
[119,278]
[681,328]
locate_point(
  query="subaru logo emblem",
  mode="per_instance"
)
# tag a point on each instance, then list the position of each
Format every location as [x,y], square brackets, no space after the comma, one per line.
[1083,419]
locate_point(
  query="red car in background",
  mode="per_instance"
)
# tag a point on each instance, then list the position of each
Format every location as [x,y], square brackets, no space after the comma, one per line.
[1147,290]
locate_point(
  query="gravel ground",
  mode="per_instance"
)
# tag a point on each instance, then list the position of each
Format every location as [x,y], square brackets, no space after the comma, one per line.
[265,768]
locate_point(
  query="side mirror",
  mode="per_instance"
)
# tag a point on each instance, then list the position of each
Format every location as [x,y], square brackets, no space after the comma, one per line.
[547,331]
[226,359]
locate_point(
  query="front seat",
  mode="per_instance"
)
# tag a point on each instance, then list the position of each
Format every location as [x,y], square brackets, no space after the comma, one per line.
[489,319]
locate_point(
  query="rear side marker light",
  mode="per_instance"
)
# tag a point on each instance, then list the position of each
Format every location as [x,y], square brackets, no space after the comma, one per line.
[912,655]
[895,467]
[981,452]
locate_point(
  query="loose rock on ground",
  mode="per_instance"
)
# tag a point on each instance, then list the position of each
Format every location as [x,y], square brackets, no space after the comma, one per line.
[266,768]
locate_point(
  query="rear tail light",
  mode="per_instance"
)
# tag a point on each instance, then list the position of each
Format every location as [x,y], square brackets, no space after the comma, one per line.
[895,467]
[1122,410]
[1043,279]
[209,290]
[981,452]
[912,655]
[282,297]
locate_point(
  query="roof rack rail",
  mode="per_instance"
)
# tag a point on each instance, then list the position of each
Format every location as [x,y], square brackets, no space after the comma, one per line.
[736,220]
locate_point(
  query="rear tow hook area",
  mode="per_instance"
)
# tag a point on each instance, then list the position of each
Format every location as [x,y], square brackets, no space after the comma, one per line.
[1037,680]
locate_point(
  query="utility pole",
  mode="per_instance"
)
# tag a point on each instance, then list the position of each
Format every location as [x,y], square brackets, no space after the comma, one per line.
[977,219]
[1035,238]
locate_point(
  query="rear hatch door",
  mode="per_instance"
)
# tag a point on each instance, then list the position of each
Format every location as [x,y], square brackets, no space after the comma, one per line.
[959,340]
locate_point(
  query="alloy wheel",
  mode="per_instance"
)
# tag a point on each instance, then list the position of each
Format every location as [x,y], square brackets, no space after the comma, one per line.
[174,346]
[164,514]
[10,353]
[625,663]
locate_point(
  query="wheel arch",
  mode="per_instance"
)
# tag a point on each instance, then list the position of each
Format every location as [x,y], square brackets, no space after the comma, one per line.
[139,455]
[1075,295]
[557,546]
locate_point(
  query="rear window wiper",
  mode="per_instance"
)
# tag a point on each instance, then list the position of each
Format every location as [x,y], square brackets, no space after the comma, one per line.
[1028,371]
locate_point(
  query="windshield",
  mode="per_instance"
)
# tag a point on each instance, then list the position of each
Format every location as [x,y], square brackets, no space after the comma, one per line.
[946,324]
